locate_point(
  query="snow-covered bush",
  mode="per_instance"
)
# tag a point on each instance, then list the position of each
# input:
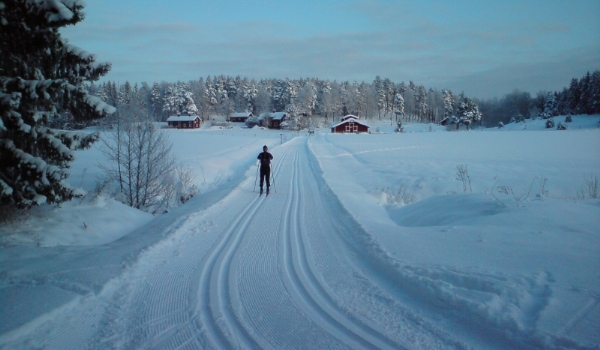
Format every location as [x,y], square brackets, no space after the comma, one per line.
[500,125]
[251,122]
[180,187]
[549,124]
[590,188]
[42,77]
[561,126]
[400,196]
[569,119]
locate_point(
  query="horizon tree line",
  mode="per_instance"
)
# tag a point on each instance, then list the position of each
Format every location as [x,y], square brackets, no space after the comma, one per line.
[223,95]
[381,99]
[582,96]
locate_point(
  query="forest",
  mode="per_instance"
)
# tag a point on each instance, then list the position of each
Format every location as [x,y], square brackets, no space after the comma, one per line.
[219,96]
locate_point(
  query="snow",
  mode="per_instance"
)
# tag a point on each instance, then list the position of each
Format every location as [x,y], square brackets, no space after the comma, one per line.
[99,105]
[368,240]
[182,118]
[59,6]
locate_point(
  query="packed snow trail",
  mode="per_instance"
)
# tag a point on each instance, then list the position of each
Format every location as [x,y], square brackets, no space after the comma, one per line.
[282,272]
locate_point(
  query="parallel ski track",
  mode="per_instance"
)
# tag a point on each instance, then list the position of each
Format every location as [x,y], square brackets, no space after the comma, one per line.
[303,282]
[222,325]
[252,273]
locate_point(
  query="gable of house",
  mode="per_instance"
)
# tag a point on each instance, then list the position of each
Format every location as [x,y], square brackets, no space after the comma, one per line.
[349,116]
[350,125]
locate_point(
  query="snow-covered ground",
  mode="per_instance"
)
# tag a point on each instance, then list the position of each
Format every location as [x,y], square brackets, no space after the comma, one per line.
[367,241]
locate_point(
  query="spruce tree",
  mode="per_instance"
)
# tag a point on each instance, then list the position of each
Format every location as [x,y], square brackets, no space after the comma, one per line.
[42,76]
[448,98]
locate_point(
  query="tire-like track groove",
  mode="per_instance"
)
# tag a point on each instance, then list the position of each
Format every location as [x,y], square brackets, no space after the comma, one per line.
[306,285]
[216,272]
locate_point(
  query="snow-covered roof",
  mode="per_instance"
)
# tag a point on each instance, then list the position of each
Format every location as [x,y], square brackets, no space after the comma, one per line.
[241,115]
[348,120]
[279,115]
[182,118]
[264,115]
[349,116]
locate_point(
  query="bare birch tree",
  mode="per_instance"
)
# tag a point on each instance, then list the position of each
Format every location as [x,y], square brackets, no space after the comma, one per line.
[141,163]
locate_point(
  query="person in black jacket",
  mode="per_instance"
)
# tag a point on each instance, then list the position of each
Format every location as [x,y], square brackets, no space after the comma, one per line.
[265,168]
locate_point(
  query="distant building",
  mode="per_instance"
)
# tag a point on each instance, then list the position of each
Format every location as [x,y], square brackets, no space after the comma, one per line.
[265,119]
[184,121]
[278,118]
[240,117]
[350,124]
[271,120]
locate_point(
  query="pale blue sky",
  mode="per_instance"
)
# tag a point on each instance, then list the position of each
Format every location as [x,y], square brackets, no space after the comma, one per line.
[484,48]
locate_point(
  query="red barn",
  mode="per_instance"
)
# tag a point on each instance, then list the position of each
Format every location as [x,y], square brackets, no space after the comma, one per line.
[184,121]
[350,124]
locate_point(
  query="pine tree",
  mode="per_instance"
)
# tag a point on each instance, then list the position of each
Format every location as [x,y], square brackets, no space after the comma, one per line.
[178,101]
[422,103]
[250,93]
[398,105]
[574,96]
[585,87]
[467,111]
[380,93]
[595,102]
[42,76]
[549,106]
[155,101]
[389,91]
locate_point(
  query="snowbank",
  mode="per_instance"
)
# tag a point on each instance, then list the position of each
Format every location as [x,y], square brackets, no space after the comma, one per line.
[513,247]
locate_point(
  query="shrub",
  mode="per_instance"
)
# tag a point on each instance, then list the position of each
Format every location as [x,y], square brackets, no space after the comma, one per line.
[462,174]
[590,188]
[549,123]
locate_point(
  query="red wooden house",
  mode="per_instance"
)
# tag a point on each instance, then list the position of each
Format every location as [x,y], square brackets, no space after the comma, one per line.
[184,121]
[350,124]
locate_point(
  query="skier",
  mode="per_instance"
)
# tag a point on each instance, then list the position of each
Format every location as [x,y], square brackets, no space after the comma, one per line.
[265,168]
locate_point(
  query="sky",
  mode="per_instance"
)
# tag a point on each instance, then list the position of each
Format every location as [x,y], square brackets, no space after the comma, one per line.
[484,48]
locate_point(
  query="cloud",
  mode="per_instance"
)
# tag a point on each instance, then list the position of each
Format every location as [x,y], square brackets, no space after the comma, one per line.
[427,44]
[552,74]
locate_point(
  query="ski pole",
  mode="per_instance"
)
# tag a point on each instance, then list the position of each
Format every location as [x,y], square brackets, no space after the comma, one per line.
[274,185]
[255,178]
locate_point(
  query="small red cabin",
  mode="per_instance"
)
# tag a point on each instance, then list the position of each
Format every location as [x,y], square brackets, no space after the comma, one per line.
[184,121]
[350,124]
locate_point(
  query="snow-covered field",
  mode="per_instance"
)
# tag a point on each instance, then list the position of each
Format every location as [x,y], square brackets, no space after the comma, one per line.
[369,240]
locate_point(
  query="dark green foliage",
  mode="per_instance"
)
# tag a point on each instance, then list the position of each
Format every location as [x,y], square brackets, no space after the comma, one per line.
[41,77]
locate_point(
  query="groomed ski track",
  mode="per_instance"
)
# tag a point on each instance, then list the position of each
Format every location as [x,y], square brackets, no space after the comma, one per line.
[279,272]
